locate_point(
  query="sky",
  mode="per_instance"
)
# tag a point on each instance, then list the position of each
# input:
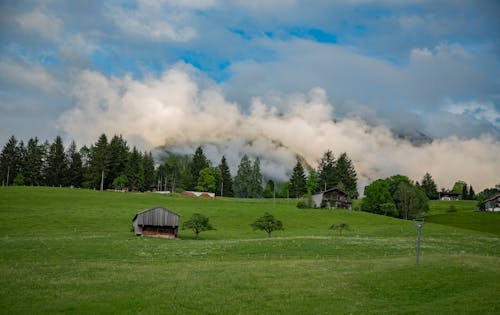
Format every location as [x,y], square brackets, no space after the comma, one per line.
[275,79]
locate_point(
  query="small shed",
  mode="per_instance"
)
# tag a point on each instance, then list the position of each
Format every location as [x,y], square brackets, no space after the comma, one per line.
[448,195]
[333,198]
[492,204]
[158,221]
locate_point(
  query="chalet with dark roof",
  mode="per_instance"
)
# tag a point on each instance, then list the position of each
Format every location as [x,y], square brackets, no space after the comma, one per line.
[333,198]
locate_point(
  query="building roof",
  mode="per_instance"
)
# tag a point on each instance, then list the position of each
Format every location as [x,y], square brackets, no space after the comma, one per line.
[449,193]
[336,189]
[157,216]
[491,198]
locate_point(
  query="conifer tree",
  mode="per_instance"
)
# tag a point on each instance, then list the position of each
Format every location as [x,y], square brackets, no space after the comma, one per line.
[118,155]
[298,181]
[269,189]
[472,194]
[75,167]
[465,192]
[57,165]
[148,166]
[22,167]
[346,175]
[99,160]
[312,183]
[429,187]
[134,171]
[227,181]
[198,163]
[9,161]
[243,180]
[33,173]
[327,172]
[256,185]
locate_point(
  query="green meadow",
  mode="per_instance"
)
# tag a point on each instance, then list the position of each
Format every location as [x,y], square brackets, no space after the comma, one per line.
[72,251]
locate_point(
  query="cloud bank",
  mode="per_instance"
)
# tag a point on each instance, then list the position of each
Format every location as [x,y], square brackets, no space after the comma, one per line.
[180,110]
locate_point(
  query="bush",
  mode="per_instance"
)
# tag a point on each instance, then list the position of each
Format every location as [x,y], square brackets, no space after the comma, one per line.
[302,204]
[451,209]
[306,202]
[19,180]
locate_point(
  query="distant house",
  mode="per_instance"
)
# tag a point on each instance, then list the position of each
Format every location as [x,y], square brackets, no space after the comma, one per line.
[157,221]
[449,195]
[492,204]
[333,198]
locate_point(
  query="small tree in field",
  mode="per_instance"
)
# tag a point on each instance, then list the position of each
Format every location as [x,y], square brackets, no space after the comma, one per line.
[267,223]
[198,222]
[340,227]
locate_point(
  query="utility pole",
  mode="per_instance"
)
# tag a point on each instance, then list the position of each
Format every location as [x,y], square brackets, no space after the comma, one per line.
[222,189]
[419,223]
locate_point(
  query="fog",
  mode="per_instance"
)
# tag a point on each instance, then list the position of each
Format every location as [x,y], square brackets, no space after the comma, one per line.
[178,111]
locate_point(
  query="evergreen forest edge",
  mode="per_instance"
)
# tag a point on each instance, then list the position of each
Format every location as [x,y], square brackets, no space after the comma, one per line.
[113,165]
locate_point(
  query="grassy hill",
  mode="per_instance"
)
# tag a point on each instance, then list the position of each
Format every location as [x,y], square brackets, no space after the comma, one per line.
[72,251]
[463,214]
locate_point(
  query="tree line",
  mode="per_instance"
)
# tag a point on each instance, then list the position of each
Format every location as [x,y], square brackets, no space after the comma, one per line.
[103,165]
[113,165]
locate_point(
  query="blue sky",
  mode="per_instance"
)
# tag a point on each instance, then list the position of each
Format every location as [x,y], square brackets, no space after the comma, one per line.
[406,66]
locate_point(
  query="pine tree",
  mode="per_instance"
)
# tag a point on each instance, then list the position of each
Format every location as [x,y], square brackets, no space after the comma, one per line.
[256,180]
[57,165]
[298,181]
[312,183]
[327,172]
[148,166]
[9,161]
[75,167]
[134,171]
[33,173]
[227,181]
[99,160]
[118,155]
[429,187]
[346,174]
[22,167]
[243,179]
[465,192]
[472,194]
[198,163]
[269,191]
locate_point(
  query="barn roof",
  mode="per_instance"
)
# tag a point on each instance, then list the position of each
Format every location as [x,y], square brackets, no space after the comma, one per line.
[337,190]
[157,216]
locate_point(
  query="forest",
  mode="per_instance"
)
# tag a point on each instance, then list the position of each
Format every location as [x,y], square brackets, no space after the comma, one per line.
[111,164]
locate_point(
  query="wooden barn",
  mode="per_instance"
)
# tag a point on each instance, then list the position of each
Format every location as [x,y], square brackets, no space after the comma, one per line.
[333,198]
[158,221]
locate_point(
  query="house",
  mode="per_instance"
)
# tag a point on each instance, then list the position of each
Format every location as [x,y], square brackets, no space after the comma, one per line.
[492,204]
[449,195]
[158,221]
[333,198]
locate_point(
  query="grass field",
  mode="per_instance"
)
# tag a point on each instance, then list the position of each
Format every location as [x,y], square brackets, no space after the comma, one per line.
[72,251]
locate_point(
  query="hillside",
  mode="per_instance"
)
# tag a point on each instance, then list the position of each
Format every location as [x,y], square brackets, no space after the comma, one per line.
[72,251]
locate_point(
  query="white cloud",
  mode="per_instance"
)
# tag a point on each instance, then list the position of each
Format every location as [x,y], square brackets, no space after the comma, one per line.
[152,23]
[481,111]
[173,110]
[45,24]
[33,76]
